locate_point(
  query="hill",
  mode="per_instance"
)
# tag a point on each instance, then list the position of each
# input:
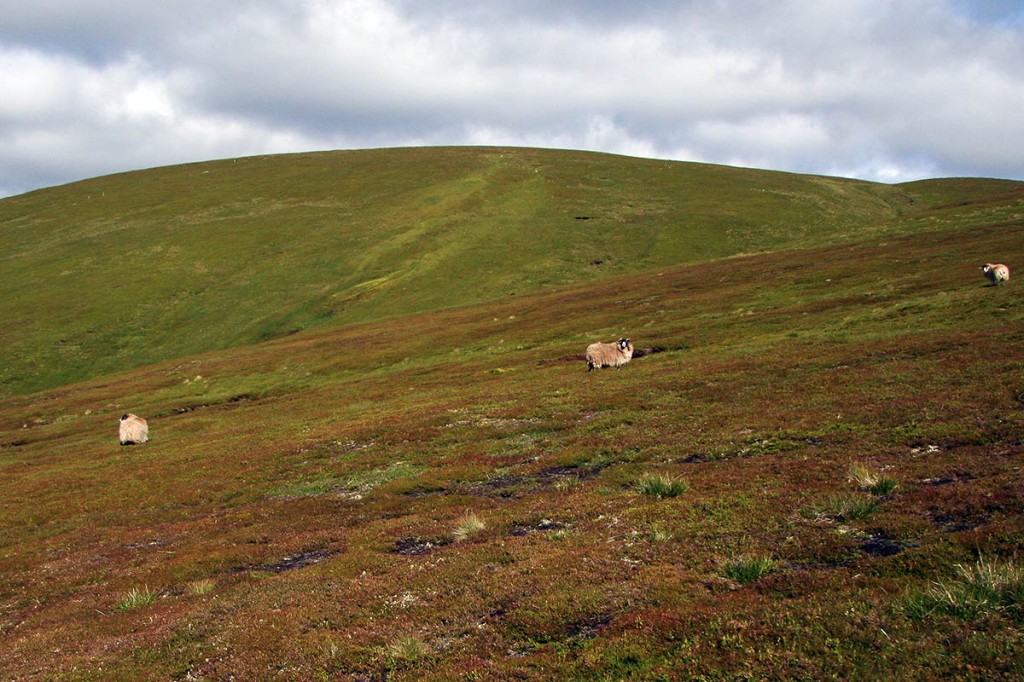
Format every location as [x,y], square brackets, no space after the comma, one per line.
[130,269]
[814,471]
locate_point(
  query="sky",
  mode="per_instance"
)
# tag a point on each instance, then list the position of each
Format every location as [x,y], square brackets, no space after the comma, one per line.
[885,90]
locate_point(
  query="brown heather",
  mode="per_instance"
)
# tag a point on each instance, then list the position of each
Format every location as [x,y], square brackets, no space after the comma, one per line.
[296,507]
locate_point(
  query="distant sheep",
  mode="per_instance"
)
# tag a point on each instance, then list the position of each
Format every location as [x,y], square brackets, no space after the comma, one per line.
[609,354]
[133,430]
[996,273]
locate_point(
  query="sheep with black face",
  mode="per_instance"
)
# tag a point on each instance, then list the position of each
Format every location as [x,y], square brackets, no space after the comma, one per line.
[997,273]
[133,430]
[600,355]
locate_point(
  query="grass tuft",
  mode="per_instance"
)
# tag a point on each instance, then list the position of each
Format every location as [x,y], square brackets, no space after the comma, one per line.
[136,598]
[202,586]
[872,481]
[748,568]
[406,650]
[844,508]
[975,590]
[660,486]
[469,525]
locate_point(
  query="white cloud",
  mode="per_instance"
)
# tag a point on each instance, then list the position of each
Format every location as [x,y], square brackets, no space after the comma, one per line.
[883,89]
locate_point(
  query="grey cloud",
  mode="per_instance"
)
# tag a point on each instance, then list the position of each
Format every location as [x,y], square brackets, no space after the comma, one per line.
[883,89]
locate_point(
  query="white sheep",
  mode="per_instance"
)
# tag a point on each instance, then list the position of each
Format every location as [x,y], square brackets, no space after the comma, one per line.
[133,430]
[609,354]
[997,273]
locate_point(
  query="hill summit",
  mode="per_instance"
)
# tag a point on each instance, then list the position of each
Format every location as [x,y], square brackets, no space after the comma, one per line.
[130,269]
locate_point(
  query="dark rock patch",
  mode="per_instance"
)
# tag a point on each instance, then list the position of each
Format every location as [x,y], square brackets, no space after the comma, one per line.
[238,398]
[417,546]
[882,546]
[292,562]
[651,350]
[418,492]
[958,521]
[553,474]
[516,485]
[501,486]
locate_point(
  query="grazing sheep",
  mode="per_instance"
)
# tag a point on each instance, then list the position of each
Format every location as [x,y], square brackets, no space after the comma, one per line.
[609,354]
[996,273]
[133,430]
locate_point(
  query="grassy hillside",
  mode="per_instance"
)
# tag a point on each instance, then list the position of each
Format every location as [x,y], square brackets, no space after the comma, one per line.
[125,270]
[448,494]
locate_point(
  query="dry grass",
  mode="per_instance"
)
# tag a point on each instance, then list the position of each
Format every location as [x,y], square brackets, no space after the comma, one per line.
[202,586]
[137,598]
[407,651]
[660,485]
[872,481]
[468,525]
[975,590]
[747,568]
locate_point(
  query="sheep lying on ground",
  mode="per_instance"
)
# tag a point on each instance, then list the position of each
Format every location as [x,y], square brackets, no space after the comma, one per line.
[609,354]
[133,430]
[997,273]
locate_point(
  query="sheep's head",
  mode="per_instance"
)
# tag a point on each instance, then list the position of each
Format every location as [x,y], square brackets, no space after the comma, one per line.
[624,344]
[125,416]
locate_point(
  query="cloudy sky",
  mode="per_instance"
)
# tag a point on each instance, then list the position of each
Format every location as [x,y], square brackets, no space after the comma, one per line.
[885,90]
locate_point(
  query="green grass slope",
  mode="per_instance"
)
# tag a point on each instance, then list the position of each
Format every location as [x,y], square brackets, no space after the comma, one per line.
[816,476]
[125,270]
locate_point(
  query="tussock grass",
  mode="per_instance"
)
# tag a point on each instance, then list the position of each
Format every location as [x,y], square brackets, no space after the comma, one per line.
[137,598]
[975,590]
[872,481]
[202,586]
[407,650]
[843,507]
[660,486]
[748,568]
[469,525]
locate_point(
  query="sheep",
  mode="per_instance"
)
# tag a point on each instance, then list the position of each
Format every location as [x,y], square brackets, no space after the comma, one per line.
[996,273]
[133,430]
[615,355]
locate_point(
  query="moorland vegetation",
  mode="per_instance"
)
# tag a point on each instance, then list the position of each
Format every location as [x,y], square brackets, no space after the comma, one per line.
[376,452]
